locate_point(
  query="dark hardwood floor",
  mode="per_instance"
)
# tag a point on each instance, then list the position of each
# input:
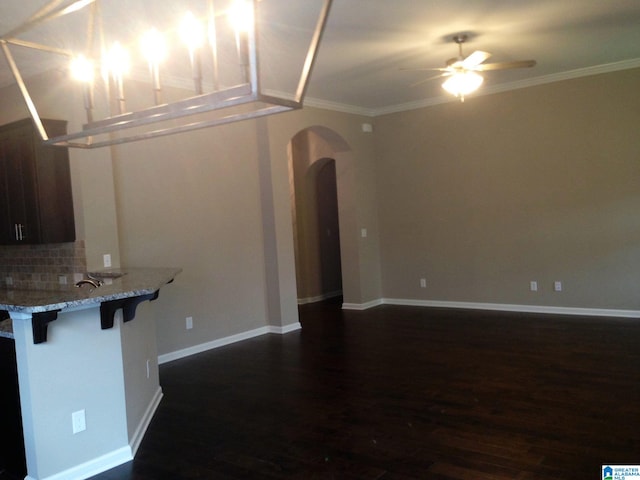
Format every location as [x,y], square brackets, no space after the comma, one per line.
[400,393]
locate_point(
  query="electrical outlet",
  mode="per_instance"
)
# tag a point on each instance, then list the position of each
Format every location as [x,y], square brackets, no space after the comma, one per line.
[78,421]
[363,232]
[106,260]
[557,286]
[8,280]
[62,279]
[189,321]
[423,283]
[533,286]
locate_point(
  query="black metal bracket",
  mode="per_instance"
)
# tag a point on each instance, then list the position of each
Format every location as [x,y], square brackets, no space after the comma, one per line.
[128,305]
[39,322]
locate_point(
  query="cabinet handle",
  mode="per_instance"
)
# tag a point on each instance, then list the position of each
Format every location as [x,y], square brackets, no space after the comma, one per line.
[19,232]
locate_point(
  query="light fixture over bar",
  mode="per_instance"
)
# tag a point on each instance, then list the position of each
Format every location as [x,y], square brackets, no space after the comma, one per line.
[212,68]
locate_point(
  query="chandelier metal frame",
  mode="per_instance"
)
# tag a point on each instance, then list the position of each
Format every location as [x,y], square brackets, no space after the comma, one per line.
[125,127]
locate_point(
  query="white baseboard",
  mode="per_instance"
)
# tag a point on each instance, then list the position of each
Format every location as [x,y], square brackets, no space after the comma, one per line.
[503,307]
[93,467]
[134,441]
[319,298]
[362,306]
[292,327]
[221,342]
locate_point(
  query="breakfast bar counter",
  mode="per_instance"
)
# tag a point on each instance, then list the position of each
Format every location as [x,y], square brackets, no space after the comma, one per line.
[87,369]
[116,284]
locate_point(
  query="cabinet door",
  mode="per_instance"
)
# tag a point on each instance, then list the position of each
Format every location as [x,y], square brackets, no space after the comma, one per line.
[36,202]
[21,205]
[5,221]
[55,199]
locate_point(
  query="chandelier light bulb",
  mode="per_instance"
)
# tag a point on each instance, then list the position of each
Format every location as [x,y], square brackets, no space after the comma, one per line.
[82,69]
[191,32]
[117,61]
[153,46]
[241,15]
[463,83]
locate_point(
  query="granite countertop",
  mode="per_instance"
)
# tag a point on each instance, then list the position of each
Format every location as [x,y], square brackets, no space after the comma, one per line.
[118,283]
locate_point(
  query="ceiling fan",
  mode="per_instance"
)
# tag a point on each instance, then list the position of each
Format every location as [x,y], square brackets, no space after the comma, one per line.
[462,71]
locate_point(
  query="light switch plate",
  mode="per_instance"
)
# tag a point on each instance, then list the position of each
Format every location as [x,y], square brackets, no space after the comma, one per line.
[78,421]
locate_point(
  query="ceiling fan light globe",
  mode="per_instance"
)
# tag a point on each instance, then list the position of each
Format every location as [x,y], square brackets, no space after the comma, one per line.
[463,83]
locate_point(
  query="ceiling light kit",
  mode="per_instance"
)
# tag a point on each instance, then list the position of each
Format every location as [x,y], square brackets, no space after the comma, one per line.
[221,48]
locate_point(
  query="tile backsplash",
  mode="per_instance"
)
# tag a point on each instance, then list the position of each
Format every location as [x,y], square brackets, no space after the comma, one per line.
[41,267]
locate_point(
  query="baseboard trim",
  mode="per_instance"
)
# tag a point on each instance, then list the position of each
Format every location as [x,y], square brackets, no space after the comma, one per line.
[292,327]
[94,466]
[135,440]
[221,342]
[319,298]
[504,307]
[500,307]
[362,306]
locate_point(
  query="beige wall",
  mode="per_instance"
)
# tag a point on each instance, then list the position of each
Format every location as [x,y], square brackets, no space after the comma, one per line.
[543,183]
[192,201]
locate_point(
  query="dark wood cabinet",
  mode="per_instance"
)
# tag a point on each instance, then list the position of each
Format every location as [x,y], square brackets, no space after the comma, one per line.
[36,203]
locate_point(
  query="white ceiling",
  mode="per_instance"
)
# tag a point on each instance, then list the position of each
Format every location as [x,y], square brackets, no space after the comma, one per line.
[368,43]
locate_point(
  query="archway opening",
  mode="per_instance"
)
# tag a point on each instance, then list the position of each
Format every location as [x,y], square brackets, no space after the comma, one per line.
[315,215]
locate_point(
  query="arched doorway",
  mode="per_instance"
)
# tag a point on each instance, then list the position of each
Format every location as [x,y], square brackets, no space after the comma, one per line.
[315,215]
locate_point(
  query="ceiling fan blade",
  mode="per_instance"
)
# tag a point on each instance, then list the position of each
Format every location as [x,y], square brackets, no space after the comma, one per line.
[424,80]
[505,65]
[475,59]
[424,69]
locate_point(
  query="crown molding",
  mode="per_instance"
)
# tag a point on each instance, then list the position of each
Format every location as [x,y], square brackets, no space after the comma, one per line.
[339,107]
[561,76]
[504,87]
